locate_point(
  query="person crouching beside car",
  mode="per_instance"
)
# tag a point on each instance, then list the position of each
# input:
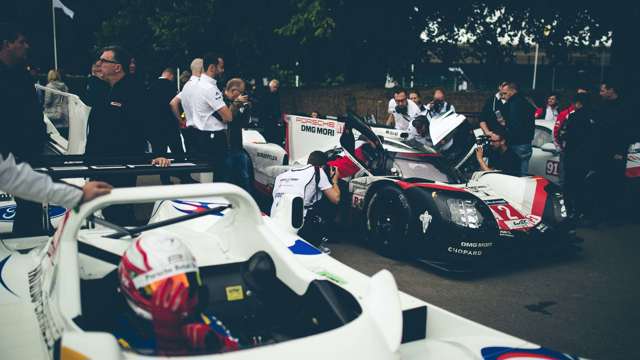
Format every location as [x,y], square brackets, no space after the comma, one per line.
[320,196]
[501,157]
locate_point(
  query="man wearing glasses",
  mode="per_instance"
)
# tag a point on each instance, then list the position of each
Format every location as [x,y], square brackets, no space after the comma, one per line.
[501,157]
[116,123]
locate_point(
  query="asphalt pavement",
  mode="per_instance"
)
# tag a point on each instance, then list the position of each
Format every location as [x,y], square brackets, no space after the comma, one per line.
[584,304]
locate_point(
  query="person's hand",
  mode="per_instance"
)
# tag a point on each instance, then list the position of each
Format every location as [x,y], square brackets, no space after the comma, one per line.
[617,157]
[160,161]
[93,189]
[480,152]
[242,99]
[335,174]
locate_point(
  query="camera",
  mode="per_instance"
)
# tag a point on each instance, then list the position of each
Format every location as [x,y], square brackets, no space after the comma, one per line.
[484,141]
[403,110]
[437,106]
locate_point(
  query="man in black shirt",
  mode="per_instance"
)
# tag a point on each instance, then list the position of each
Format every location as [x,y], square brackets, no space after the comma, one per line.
[501,157]
[613,120]
[162,127]
[238,162]
[116,127]
[576,138]
[520,125]
[22,131]
[271,113]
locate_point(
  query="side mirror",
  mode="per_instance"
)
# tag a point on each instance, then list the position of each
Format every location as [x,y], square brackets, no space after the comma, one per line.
[549,147]
[404,135]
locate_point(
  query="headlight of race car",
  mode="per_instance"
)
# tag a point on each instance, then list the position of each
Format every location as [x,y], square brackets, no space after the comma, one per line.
[465,213]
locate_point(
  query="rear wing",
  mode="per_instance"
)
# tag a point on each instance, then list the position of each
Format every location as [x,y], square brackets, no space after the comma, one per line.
[305,135]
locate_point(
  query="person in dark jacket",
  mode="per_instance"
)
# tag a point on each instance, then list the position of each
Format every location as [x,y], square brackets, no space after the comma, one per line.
[23,132]
[271,113]
[519,124]
[116,127]
[613,118]
[238,161]
[163,128]
[576,138]
[492,120]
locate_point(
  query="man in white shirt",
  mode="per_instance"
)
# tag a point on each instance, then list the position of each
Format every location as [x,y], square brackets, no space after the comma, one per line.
[207,114]
[402,111]
[174,104]
[439,106]
[310,182]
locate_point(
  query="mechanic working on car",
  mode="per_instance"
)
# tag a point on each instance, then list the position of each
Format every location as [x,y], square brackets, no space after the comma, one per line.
[320,196]
[160,282]
[20,180]
[421,133]
[501,157]
[401,110]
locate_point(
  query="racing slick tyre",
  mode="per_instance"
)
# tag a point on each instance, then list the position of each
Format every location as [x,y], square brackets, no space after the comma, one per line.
[388,221]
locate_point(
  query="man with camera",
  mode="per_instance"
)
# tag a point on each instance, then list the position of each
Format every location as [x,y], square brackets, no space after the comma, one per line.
[319,195]
[402,111]
[439,106]
[238,162]
[501,157]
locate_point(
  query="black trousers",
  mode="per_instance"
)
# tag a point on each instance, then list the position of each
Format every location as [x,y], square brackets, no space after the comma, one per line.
[213,145]
[578,196]
[122,215]
[28,220]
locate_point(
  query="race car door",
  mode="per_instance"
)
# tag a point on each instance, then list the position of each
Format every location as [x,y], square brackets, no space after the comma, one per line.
[544,162]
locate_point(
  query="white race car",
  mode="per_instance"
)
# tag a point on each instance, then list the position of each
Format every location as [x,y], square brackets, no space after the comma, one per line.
[545,159]
[279,295]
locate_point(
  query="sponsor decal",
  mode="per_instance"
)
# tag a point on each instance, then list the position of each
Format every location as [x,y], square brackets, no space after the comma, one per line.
[552,167]
[331,277]
[542,228]
[425,219]
[300,247]
[267,156]
[476,244]
[8,213]
[153,276]
[495,202]
[192,207]
[40,299]
[116,104]
[506,233]
[507,353]
[458,251]
[234,293]
[508,218]
[318,130]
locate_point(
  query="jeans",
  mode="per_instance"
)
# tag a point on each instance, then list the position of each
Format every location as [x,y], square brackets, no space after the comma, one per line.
[239,170]
[524,153]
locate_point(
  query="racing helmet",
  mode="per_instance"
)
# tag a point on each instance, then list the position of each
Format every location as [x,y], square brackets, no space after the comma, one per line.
[151,260]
